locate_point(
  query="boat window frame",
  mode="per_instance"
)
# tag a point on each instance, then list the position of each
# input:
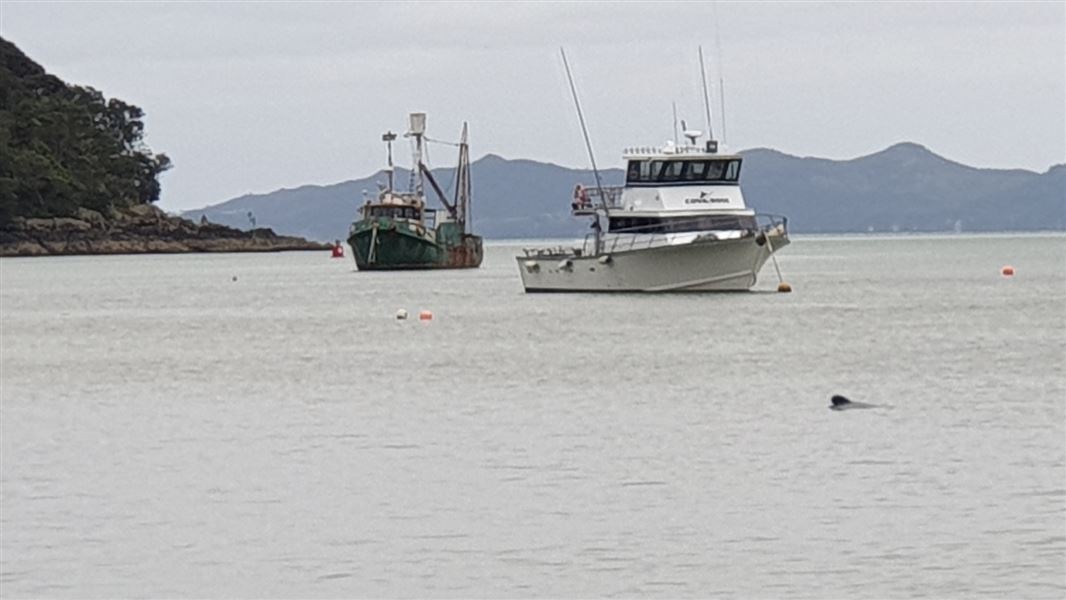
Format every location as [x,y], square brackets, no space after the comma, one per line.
[681,224]
[670,174]
[380,211]
[650,172]
[689,168]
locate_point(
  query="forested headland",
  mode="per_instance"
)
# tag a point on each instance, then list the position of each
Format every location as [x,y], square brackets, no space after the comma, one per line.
[65,147]
[76,176]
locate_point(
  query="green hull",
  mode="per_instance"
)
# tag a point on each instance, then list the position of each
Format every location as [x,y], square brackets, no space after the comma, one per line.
[393,244]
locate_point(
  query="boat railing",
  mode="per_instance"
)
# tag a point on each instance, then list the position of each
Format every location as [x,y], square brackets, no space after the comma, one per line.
[651,236]
[768,223]
[589,198]
[552,252]
[622,242]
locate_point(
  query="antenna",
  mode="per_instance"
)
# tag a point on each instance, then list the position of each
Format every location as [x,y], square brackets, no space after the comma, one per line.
[706,99]
[677,140]
[721,75]
[388,137]
[721,98]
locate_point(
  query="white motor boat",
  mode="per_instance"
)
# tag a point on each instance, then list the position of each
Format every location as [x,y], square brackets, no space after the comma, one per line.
[678,224]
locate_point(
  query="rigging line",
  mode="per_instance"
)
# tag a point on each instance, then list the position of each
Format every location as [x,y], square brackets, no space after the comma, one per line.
[770,247]
[414,169]
[455,175]
[442,142]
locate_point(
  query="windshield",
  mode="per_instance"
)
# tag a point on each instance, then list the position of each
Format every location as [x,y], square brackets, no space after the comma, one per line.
[654,172]
[395,212]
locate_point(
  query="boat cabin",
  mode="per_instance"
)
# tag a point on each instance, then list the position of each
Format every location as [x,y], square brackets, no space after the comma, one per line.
[400,206]
[672,189]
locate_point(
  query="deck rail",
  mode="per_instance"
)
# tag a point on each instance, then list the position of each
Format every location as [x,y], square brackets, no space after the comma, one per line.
[589,198]
[645,237]
[638,238]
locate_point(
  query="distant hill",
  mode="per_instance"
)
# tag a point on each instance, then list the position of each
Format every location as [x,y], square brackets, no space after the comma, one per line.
[902,188]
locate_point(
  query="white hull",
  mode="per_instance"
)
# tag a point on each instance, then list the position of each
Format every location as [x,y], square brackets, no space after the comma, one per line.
[699,266]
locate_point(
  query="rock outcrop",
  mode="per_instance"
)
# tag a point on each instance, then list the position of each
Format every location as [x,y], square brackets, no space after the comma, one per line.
[137,230]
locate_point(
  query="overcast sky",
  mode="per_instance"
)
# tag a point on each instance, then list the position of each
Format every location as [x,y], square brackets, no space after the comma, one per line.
[255,96]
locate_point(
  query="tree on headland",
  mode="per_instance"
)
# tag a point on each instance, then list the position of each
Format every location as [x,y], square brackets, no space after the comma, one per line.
[65,147]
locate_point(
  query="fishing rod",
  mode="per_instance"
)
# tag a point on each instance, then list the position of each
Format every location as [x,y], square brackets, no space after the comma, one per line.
[588,146]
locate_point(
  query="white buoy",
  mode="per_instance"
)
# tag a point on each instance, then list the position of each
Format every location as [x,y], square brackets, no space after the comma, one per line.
[401,315]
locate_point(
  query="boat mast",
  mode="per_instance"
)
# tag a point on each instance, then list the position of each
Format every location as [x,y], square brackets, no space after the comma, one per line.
[388,137]
[417,130]
[462,182]
[588,146]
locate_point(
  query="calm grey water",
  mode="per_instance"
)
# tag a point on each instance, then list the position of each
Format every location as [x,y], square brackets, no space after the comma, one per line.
[170,432]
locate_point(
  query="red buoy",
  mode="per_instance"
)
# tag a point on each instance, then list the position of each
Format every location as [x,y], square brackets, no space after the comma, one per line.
[1007,271]
[425,316]
[338,250]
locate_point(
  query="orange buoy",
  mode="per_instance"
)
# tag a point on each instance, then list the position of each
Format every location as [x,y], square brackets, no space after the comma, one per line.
[425,316]
[1007,271]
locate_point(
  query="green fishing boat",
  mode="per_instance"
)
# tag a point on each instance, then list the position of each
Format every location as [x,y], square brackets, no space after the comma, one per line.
[397,230]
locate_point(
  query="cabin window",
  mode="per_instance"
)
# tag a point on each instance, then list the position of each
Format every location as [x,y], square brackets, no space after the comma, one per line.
[652,172]
[681,224]
[715,170]
[672,170]
[655,167]
[633,174]
[394,212]
[732,172]
[695,170]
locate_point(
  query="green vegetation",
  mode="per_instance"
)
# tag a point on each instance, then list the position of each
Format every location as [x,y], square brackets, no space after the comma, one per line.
[65,147]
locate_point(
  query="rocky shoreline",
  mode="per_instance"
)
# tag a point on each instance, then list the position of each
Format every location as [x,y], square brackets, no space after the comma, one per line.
[139,230]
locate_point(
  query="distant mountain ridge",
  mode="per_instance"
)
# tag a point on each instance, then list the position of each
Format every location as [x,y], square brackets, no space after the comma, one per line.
[905,187]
